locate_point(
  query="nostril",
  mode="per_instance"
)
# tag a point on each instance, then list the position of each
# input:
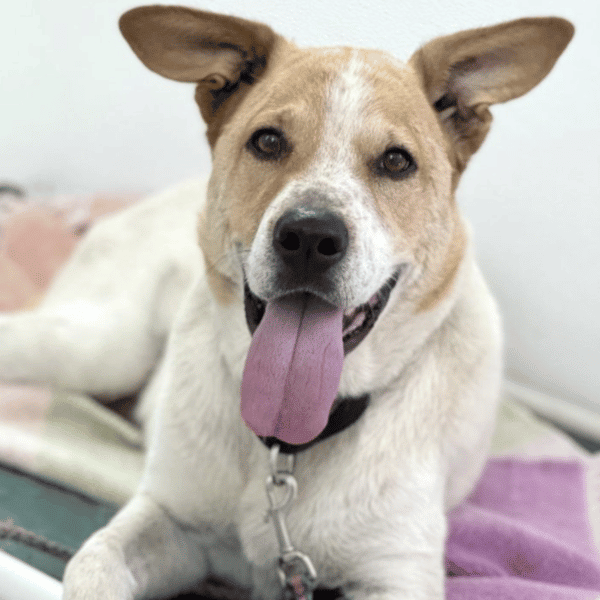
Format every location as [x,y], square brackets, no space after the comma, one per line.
[290,241]
[328,247]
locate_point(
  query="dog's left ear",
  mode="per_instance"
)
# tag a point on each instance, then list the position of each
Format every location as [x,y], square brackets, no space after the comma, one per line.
[222,54]
[463,74]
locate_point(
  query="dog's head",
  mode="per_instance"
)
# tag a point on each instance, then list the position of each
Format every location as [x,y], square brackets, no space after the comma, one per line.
[335,170]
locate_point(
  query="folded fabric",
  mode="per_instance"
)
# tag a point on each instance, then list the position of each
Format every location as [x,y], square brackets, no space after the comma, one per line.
[493,588]
[38,235]
[524,534]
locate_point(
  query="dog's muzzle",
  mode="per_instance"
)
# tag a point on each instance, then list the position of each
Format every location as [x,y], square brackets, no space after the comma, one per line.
[309,242]
[294,363]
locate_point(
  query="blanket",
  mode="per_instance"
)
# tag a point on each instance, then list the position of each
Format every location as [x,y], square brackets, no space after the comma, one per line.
[529,531]
[524,533]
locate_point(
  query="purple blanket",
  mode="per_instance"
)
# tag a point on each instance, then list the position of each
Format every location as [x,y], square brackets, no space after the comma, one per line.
[524,534]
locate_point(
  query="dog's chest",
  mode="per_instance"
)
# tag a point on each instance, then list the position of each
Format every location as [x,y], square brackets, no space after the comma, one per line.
[347,502]
[313,519]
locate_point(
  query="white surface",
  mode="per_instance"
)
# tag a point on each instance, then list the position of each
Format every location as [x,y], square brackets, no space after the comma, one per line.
[576,419]
[19,581]
[81,113]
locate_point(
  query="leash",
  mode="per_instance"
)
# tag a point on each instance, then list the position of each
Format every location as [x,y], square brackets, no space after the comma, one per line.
[296,572]
[295,569]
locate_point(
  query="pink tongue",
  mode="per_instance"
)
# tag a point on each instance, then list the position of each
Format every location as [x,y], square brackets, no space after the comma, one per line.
[293,369]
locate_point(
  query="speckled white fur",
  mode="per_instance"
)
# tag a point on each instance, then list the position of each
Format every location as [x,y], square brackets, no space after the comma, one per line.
[331,182]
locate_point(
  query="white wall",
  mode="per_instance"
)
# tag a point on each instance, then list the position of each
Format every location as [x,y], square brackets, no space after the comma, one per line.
[80,113]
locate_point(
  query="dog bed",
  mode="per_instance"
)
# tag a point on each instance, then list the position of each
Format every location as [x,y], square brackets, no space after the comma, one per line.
[529,531]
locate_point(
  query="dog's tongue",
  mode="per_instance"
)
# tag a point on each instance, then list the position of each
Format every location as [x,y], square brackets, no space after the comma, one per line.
[293,369]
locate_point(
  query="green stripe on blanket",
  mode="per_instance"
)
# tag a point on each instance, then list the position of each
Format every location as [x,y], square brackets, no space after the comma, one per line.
[57,512]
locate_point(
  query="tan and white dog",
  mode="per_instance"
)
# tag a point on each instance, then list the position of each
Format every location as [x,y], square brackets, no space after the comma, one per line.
[330,231]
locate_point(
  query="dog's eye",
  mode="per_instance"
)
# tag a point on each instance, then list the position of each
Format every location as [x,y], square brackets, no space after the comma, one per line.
[396,163]
[267,144]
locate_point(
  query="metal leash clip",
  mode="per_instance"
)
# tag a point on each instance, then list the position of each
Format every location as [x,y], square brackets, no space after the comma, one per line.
[296,571]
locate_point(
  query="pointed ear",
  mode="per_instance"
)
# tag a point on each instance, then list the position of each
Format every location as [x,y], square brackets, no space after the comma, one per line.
[463,74]
[222,54]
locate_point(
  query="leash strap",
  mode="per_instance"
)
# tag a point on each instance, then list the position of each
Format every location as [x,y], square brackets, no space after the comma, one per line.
[295,569]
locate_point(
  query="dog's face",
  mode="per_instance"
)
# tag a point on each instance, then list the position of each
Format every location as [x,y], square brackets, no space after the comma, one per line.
[339,145]
[353,143]
[334,179]
[335,169]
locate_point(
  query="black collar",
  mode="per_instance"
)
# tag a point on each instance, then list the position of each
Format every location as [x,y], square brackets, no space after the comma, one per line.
[347,412]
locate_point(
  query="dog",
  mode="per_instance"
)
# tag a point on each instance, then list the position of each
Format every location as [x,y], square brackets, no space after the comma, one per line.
[317,297]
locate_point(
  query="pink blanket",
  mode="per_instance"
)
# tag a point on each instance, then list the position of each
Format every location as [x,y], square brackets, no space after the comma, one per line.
[524,533]
[37,236]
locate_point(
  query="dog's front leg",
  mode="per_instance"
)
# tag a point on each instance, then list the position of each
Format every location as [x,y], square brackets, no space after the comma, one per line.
[141,553]
[97,352]
[383,534]
[418,577]
[403,569]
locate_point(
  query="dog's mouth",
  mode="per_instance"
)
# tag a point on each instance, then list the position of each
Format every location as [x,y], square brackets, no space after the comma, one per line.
[294,363]
[357,321]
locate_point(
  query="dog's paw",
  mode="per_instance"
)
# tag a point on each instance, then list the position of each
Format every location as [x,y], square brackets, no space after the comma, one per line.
[91,575]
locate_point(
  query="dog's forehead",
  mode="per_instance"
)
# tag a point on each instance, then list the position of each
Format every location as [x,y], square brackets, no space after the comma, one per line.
[345,95]
[325,66]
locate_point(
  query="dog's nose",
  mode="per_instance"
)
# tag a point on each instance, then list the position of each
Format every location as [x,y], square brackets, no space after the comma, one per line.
[310,240]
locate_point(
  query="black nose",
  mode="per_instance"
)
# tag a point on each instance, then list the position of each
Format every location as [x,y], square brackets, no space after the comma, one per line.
[310,241]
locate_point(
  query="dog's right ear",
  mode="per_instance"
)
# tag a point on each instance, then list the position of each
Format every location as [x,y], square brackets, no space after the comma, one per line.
[222,54]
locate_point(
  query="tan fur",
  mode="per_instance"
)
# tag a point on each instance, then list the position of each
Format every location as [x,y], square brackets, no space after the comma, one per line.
[441,282]
[523,53]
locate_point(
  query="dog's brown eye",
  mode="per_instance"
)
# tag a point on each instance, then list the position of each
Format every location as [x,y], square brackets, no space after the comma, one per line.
[268,144]
[396,163]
